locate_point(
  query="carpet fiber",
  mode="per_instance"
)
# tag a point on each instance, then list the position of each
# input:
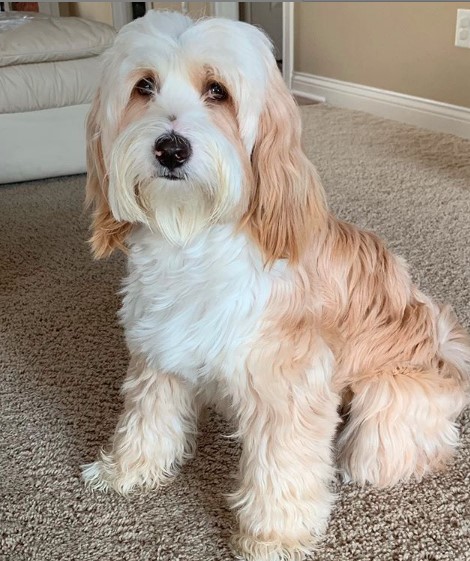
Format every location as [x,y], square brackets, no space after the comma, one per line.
[62,359]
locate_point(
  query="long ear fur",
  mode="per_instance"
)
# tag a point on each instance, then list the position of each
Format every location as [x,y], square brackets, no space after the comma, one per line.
[107,233]
[287,201]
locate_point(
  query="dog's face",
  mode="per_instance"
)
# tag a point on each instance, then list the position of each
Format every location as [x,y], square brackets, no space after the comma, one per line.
[191,120]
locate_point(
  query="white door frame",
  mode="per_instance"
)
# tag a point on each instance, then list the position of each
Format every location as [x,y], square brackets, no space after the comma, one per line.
[226,10]
[50,8]
[230,10]
[122,13]
[288,42]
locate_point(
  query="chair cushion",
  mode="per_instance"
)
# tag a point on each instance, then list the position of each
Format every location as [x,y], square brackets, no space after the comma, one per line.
[32,87]
[54,39]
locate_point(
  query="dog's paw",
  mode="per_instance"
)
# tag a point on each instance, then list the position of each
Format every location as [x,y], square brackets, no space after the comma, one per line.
[249,548]
[100,476]
[105,474]
[94,475]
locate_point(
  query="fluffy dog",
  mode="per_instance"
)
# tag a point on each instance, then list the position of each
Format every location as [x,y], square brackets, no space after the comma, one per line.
[243,290]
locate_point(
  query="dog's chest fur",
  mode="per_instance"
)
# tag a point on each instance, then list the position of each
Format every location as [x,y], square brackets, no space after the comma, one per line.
[194,310]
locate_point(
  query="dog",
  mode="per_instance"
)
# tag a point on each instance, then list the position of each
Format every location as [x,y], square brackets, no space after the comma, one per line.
[244,291]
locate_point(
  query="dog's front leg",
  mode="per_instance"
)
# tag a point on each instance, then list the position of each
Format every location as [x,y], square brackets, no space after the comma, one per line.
[287,423]
[155,433]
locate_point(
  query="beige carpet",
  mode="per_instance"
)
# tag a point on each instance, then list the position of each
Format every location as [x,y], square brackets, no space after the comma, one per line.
[62,360]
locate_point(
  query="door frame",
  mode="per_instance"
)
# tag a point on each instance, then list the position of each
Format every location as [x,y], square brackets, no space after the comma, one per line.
[226,10]
[230,10]
[288,42]
[122,14]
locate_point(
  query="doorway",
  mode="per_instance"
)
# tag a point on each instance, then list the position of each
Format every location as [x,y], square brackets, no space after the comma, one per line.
[267,16]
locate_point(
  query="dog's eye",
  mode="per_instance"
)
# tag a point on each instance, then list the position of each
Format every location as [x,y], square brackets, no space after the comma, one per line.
[216,92]
[146,86]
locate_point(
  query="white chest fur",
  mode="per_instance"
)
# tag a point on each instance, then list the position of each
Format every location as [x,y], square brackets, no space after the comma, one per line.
[194,310]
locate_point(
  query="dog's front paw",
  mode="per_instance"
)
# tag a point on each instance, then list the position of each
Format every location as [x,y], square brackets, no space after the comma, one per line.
[95,476]
[250,548]
[106,474]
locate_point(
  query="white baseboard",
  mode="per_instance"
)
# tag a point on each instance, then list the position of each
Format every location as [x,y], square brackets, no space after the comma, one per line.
[426,113]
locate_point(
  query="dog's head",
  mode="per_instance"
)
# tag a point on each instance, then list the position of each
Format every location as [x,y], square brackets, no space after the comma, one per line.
[192,125]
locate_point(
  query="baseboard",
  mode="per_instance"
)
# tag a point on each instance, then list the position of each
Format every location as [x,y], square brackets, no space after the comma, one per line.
[426,113]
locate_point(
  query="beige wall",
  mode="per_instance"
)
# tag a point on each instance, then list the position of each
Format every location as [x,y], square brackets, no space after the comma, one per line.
[403,47]
[196,9]
[96,11]
[102,11]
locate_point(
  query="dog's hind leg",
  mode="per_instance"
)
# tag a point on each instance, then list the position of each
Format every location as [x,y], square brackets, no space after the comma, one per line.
[401,424]
[401,421]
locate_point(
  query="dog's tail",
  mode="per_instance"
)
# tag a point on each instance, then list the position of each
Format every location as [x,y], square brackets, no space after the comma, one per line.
[454,348]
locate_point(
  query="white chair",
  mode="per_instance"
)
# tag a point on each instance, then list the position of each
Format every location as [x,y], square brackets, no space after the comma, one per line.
[49,69]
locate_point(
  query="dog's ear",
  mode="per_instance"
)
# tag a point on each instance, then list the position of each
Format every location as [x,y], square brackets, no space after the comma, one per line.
[107,233]
[287,200]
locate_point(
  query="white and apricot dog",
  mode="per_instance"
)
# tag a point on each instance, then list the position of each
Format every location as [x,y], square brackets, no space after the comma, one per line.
[244,291]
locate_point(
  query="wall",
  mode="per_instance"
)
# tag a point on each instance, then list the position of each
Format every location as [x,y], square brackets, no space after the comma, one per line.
[96,11]
[195,9]
[403,47]
[102,11]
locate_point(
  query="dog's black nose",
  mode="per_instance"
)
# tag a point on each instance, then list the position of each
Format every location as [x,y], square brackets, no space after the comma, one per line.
[172,150]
